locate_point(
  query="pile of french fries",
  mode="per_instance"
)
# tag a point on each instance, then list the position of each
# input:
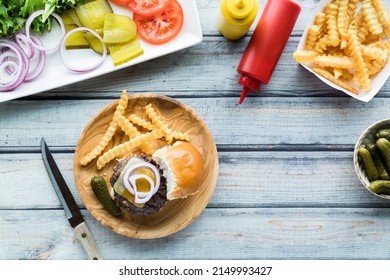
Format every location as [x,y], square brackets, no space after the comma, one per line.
[156,128]
[348,43]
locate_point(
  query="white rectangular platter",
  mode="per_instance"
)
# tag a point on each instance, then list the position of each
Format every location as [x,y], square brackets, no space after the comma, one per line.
[55,74]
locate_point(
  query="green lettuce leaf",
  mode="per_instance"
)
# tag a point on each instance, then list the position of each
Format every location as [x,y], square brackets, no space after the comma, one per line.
[10,19]
[14,13]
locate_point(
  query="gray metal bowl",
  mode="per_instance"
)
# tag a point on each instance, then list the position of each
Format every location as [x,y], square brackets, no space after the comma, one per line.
[368,136]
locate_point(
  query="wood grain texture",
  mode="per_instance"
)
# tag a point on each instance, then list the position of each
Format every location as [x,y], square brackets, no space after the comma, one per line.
[243,233]
[270,121]
[176,214]
[254,179]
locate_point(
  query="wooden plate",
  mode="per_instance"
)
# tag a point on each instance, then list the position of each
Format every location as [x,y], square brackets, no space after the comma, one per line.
[175,215]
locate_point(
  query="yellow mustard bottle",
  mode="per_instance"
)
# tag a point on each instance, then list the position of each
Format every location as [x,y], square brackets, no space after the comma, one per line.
[236,17]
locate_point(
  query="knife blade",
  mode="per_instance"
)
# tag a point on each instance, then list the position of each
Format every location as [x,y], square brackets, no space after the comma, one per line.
[72,212]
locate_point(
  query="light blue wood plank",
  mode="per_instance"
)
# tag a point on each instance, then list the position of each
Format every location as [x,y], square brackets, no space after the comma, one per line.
[246,179]
[272,121]
[309,233]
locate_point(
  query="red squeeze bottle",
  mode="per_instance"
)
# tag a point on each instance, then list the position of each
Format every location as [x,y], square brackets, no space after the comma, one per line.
[267,44]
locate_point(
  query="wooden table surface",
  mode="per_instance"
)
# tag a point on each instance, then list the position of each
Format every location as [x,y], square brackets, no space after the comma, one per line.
[286,189]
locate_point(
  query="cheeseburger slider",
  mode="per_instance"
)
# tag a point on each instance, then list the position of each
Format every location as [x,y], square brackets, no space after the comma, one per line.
[142,185]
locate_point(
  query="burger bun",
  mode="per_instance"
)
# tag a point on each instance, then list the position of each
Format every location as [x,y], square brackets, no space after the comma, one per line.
[182,166]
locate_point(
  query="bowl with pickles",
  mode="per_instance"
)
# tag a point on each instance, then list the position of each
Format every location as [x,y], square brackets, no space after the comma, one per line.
[372,158]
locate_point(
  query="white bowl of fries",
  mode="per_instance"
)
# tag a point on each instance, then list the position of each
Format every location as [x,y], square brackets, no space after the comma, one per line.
[347,46]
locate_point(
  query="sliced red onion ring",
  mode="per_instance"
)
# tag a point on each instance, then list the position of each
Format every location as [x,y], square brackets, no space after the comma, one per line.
[25,43]
[88,68]
[8,55]
[19,73]
[40,63]
[9,67]
[37,14]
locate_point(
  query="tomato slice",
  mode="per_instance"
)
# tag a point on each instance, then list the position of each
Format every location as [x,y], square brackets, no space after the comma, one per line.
[147,8]
[120,2]
[162,27]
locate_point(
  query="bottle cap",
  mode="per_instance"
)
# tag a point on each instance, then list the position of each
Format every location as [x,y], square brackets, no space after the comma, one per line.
[249,84]
[242,12]
[240,9]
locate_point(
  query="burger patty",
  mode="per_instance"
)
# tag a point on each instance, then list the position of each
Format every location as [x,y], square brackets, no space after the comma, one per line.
[157,201]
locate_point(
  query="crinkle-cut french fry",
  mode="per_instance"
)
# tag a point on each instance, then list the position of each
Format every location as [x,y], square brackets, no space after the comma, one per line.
[362,26]
[331,78]
[120,109]
[320,21]
[362,77]
[304,56]
[101,146]
[377,44]
[158,122]
[312,36]
[334,61]
[387,46]
[180,136]
[376,65]
[352,5]
[337,72]
[342,22]
[331,22]
[363,32]
[370,16]
[383,15]
[335,51]
[322,44]
[359,18]
[373,52]
[372,38]
[126,147]
[340,73]
[140,122]
[130,130]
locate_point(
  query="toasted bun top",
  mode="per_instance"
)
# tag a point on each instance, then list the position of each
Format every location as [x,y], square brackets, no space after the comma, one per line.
[182,166]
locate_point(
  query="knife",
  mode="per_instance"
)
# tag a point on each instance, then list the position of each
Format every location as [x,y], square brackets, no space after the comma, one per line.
[76,220]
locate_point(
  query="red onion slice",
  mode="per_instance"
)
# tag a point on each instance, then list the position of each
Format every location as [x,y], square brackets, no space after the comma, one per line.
[40,61]
[88,68]
[30,20]
[19,73]
[7,56]
[25,44]
[8,67]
